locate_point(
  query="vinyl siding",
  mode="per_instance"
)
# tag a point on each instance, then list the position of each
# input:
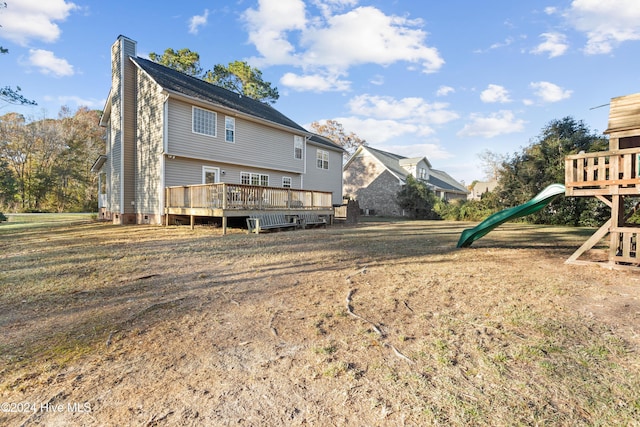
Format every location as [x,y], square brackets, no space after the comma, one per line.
[324,179]
[256,145]
[181,171]
[107,168]
[148,146]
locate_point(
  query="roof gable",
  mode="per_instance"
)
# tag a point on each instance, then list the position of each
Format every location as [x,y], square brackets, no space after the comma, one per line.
[394,164]
[183,84]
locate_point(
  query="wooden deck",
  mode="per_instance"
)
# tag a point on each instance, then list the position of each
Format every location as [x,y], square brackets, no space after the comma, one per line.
[225,200]
[603,173]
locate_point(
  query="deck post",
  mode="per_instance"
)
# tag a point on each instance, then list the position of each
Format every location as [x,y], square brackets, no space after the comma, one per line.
[192,220]
[224,225]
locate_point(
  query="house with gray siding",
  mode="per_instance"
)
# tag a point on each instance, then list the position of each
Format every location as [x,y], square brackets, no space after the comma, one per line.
[167,129]
[374,177]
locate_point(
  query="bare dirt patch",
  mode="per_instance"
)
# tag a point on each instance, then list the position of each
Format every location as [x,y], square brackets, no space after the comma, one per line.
[380,324]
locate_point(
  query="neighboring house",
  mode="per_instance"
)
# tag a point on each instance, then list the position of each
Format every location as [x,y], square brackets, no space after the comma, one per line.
[374,177]
[165,128]
[481,187]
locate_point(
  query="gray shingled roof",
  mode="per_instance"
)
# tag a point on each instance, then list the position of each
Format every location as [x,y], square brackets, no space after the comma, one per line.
[175,81]
[323,140]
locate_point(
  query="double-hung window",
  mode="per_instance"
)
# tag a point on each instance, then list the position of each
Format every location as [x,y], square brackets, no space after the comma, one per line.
[286,181]
[423,174]
[322,159]
[298,143]
[230,129]
[204,121]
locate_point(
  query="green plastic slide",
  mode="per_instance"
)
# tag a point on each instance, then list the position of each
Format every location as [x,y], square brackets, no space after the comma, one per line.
[545,197]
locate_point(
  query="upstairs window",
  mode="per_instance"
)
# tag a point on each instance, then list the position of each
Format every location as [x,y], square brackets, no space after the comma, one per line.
[298,143]
[204,121]
[286,181]
[230,129]
[322,159]
[422,174]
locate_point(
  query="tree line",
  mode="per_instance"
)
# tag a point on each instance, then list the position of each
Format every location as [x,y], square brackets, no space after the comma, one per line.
[45,165]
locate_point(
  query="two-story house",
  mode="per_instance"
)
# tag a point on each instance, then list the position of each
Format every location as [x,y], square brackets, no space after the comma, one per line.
[373,177]
[166,129]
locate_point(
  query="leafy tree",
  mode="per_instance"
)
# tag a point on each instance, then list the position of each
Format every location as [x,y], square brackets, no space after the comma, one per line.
[183,60]
[334,130]
[525,174]
[416,198]
[13,96]
[238,76]
[8,186]
[241,78]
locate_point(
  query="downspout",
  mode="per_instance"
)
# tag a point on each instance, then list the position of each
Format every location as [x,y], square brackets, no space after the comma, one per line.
[304,163]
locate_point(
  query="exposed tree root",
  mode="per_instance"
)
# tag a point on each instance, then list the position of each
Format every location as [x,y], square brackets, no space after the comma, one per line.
[374,327]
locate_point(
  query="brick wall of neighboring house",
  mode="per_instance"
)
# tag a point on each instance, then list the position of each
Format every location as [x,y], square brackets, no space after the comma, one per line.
[379,197]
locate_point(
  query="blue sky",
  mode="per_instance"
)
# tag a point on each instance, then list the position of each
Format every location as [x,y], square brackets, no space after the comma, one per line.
[441,79]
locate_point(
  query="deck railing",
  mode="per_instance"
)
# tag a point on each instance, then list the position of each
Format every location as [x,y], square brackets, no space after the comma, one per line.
[602,169]
[247,197]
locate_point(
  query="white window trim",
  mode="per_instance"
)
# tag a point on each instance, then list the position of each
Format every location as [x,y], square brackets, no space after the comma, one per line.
[253,175]
[233,120]
[299,138]
[206,169]
[215,124]
[320,155]
[290,182]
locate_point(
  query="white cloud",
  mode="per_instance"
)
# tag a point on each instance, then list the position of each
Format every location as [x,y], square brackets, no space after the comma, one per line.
[315,82]
[508,41]
[366,35]
[285,33]
[549,92]
[554,43]
[269,26]
[47,63]
[198,21]
[500,123]
[81,102]
[605,23]
[495,93]
[376,131]
[550,10]
[444,90]
[408,110]
[26,20]
[377,80]
[329,7]
[429,150]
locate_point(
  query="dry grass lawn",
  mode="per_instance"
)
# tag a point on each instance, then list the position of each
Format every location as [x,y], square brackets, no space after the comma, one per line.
[380,324]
